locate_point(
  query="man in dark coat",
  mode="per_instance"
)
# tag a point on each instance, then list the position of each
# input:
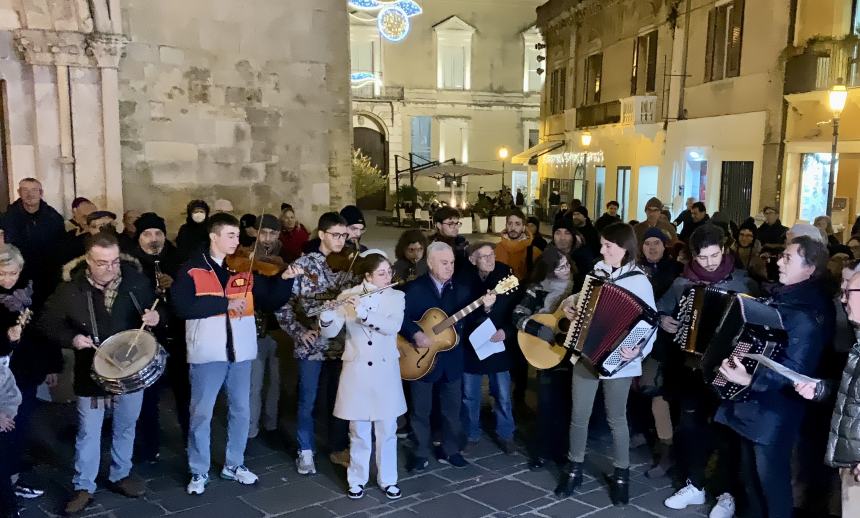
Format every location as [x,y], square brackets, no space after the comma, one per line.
[151,248]
[767,423]
[487,273]
[609,217]
[437,290]
[36,229]
[771,233]
[193,235]
[582,223]
[101,296]
[698,217]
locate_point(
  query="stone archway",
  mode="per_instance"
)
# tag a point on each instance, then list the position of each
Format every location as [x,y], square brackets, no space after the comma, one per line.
[374,144]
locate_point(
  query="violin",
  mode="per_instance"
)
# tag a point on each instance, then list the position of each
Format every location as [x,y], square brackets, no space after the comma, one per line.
[265,265]
[344,260]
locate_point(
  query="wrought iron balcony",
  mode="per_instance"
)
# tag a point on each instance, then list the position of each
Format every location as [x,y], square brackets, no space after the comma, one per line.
[598,114]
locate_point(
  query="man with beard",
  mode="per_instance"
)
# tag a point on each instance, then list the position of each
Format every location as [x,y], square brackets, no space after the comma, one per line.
[582,223]
[447,221]
[318,357]
[160,262]
[515,249]
[698,217]
[697,436]
[766,424]
[267,364]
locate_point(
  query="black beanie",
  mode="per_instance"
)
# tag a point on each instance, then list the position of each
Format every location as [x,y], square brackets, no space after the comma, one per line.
[352,215]
[197,204]
[271,222]
[580,209]
[565,223]
[146,221]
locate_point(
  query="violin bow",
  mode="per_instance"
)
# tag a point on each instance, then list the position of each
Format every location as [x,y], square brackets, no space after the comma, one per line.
[253,255]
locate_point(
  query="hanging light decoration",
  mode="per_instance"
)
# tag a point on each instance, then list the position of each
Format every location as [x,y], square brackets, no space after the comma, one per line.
[392,18]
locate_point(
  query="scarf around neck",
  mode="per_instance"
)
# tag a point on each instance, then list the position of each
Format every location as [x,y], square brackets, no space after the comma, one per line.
[696,273]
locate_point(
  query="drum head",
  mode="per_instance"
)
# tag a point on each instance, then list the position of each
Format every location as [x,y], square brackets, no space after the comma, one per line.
[128,356]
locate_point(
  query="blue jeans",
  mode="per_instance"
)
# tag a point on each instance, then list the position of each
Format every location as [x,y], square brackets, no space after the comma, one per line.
[206,382]
[126,409]
[314,374]
[500,389]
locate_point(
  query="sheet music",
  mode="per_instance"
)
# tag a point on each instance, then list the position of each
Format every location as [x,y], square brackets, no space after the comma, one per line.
[779,368]
[480,340]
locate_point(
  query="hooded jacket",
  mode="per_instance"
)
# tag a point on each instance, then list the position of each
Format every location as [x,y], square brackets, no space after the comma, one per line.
[66,314]
[843,444]
[193,237]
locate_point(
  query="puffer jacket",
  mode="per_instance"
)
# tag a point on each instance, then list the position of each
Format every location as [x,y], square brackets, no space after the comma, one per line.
[843,445]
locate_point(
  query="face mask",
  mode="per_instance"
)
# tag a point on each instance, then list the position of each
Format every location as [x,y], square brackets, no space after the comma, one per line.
[198,217]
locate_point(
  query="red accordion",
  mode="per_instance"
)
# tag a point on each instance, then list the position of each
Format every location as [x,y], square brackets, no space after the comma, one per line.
[608,318]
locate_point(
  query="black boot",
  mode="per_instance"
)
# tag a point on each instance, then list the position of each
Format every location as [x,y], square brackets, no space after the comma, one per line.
[619,487]
[569,481]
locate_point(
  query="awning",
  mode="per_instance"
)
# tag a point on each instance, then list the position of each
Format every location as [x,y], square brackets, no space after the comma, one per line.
[535,151]
[443,171]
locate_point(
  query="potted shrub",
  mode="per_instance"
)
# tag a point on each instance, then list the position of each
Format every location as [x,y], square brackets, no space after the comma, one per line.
[480,214]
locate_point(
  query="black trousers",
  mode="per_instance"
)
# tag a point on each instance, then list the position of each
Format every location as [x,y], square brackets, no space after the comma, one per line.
[7,492]
[766,475]
[337,429]
[148,433]
[177,376]
[19,437]
[554,405]
[450,394]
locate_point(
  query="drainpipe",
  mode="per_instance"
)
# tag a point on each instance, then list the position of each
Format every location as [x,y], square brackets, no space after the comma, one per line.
[67,142]
[681,115]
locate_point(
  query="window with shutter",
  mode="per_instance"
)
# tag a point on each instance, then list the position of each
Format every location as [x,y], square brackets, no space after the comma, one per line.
[634,75]
[735,38]
[651,74]
[593,75]
[725,37]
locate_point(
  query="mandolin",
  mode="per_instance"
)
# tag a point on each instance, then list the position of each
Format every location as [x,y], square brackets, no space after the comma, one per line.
[415,363]
[541,354]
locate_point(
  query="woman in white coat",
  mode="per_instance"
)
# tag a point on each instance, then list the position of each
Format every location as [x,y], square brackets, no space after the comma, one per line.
[619,249]
[370,393]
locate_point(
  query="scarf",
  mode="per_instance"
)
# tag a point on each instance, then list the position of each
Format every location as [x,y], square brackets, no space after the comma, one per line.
[110,289]
[696,273]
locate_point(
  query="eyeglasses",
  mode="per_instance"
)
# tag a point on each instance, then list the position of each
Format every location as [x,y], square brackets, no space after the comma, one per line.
[359,230]
[846,292]
[107,265]
[337,235]
[490,255]
[452,224]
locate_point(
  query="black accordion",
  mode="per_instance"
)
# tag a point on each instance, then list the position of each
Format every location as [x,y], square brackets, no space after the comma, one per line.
[608,318]
[748,326]
[699,314]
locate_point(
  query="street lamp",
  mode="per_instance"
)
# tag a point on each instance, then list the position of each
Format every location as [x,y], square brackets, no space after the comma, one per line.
[836,99]
[585,139]
[503,155]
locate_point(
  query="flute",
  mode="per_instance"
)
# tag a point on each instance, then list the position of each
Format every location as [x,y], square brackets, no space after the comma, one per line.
[338,303]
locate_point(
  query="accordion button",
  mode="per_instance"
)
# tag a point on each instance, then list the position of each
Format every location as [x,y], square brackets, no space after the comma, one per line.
[370,364]
[369,342]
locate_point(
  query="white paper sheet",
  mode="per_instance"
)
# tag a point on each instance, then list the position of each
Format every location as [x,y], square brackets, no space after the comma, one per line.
[795,377]
[480,340]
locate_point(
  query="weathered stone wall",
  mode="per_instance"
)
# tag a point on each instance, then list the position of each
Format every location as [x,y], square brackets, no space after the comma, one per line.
[247,101]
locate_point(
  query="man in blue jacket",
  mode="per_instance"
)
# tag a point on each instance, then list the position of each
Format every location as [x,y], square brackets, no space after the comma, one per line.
[217,305]
[435,289]
[768,422]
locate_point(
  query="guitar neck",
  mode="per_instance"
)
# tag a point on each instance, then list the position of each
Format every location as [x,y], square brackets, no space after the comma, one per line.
[456,317]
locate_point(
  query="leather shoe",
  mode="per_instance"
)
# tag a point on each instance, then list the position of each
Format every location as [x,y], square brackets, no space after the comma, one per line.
[80,500]
[129,487]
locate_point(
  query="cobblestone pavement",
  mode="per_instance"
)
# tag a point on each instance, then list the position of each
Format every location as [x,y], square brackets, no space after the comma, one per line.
[495,484]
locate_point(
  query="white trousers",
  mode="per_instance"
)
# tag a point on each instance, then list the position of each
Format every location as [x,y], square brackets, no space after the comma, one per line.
[360,444]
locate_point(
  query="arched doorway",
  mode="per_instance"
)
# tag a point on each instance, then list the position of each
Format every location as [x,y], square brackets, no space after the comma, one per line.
[372,144]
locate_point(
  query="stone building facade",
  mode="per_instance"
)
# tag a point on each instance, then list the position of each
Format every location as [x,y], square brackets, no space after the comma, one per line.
[146,104]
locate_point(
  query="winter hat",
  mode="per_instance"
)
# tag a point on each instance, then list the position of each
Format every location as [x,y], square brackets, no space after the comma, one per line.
[654,202]
[197,204]
[580,209]
[100,214]
[805,229]
[352,215]
[656,232]
[271,222]
[749,224]
[146,221]
[564,223]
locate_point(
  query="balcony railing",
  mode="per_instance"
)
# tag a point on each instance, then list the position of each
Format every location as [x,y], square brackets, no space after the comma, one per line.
[598,114]
[821,64]
[639,109]
[386,93]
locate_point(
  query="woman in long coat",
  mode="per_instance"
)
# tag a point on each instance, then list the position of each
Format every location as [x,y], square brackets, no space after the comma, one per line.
[370,394]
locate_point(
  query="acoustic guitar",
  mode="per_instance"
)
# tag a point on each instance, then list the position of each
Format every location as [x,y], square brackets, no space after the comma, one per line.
[415,363]
[539,353]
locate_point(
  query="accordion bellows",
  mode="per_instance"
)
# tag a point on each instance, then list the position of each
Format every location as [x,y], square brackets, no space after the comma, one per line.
[700,311]
[609,317]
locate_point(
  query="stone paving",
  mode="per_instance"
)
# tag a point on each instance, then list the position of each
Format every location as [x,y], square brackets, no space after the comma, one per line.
[494,485]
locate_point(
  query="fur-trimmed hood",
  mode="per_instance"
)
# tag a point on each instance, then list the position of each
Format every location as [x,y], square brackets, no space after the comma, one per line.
[79,263]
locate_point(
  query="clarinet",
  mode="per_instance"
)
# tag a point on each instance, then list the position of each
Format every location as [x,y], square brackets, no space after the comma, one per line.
[159,289]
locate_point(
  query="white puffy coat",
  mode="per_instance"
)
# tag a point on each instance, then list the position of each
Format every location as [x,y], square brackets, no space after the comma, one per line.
[370,388]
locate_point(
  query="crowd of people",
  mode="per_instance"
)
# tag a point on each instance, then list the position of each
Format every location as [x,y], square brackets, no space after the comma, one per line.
[217,299]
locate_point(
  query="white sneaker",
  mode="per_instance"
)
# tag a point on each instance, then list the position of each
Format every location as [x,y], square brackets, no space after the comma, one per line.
[305,463]
[197,485]
[725,507]
[687,495]
[240,474]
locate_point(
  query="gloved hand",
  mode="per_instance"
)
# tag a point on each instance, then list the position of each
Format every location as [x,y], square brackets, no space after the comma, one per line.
[539,330]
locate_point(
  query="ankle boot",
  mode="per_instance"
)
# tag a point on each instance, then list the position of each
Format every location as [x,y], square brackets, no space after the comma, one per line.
[569,481]
[664,461]
[619,487]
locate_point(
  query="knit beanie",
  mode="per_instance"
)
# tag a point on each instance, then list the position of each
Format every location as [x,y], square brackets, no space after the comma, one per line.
[146,221]
[197,204]
[565,223]
[271,222]
[352,215]
[656,232]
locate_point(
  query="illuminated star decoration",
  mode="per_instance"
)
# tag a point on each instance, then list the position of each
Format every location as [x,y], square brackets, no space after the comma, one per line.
[392,18]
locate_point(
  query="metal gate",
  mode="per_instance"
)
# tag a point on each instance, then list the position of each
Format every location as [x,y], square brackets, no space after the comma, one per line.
[736,190]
